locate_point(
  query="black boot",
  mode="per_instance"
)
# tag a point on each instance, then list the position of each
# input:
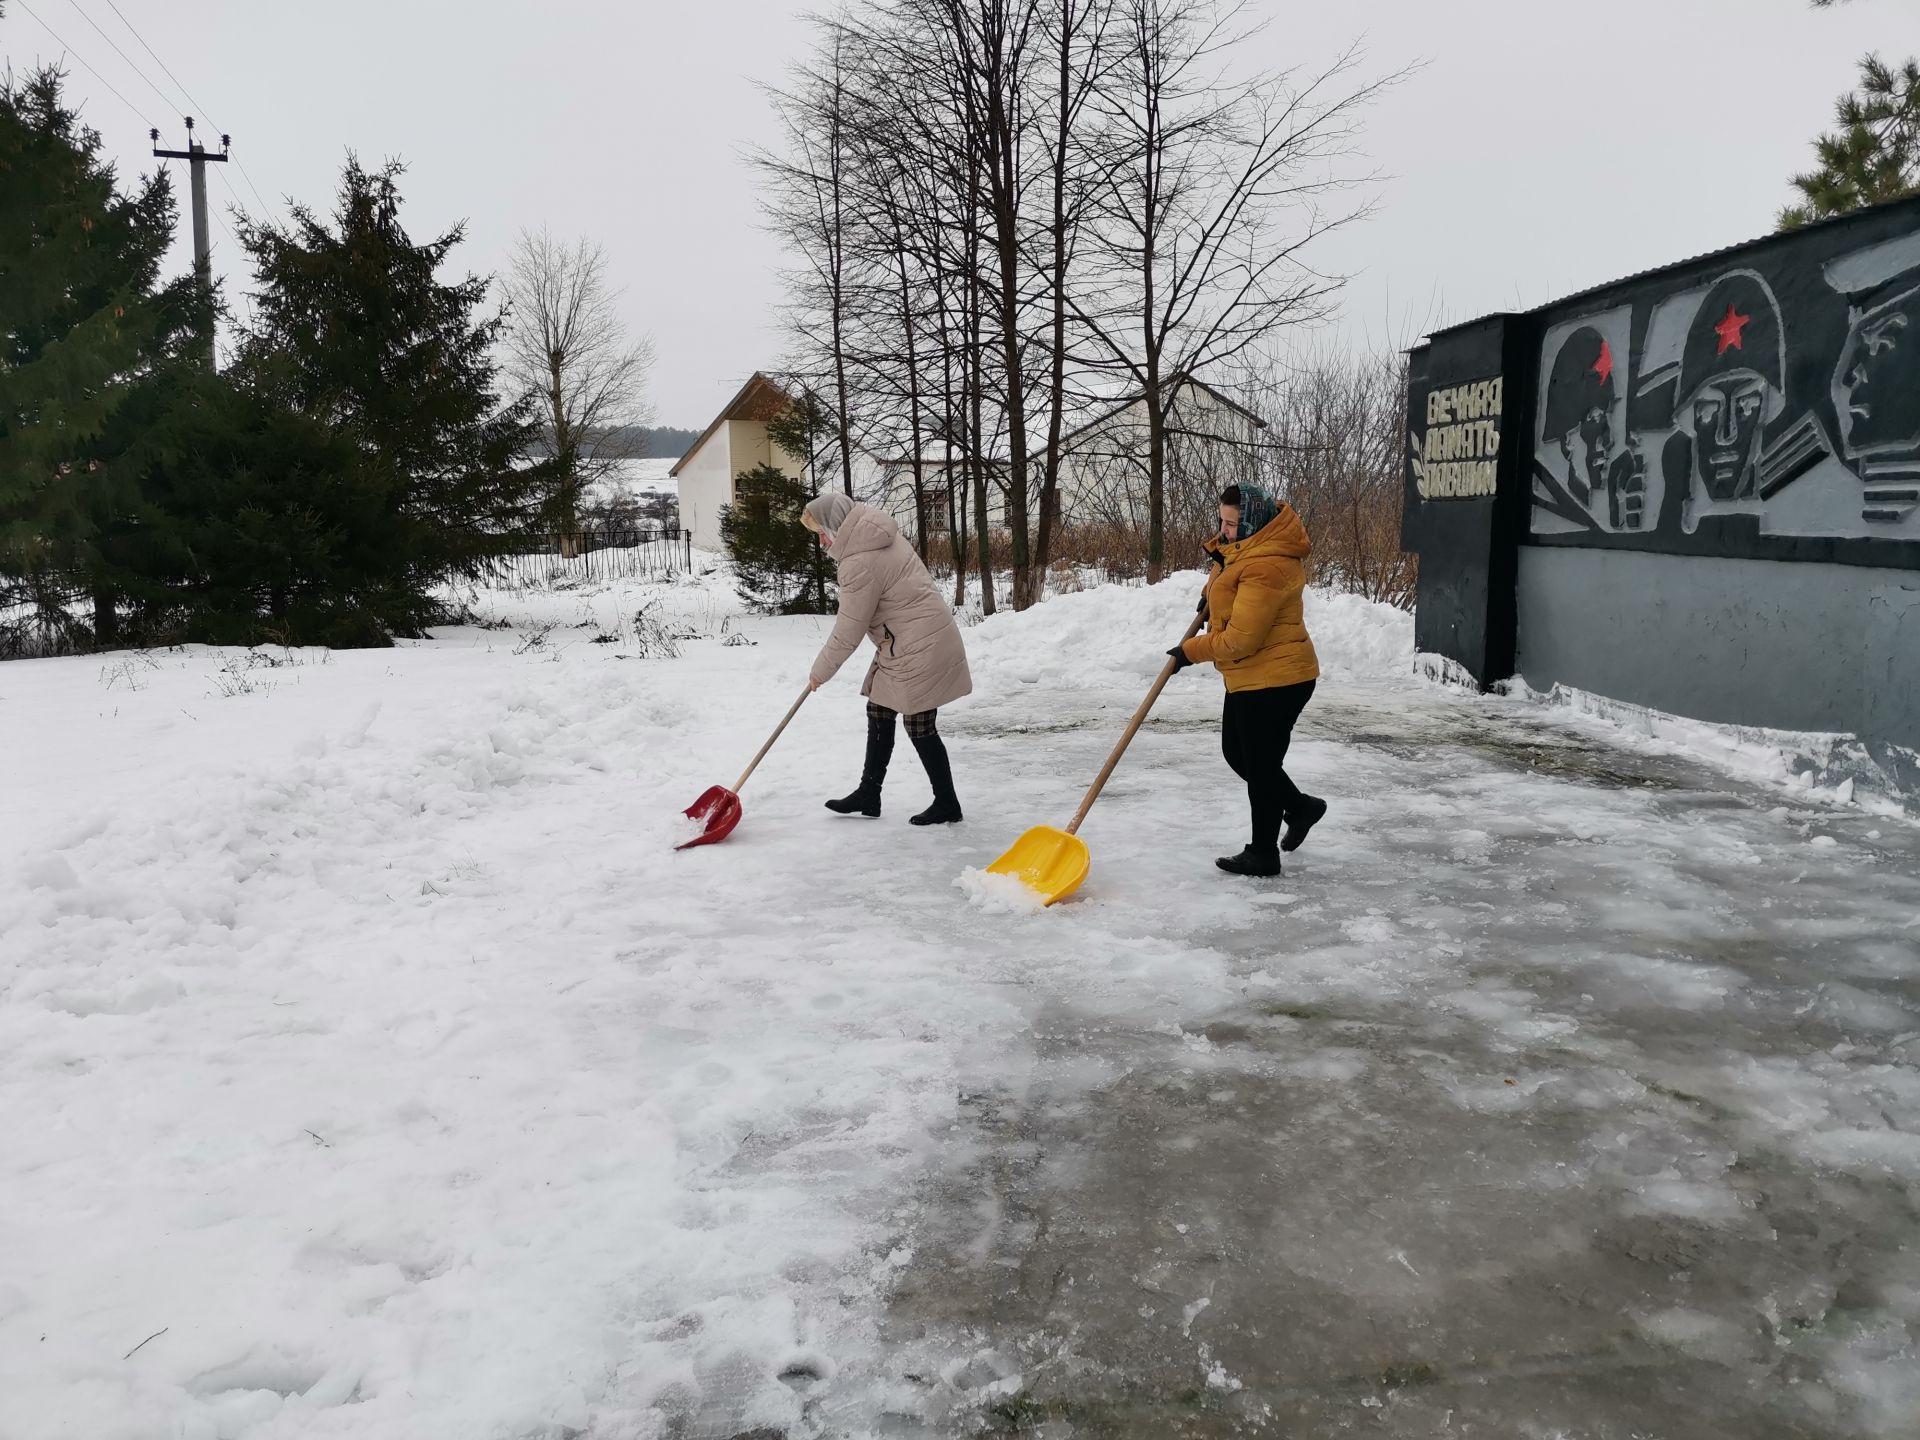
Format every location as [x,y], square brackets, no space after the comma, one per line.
[866,800]
[945,809]
[1251,861]
[1308,812]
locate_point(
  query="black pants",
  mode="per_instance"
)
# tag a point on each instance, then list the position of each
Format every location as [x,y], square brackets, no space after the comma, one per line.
[1255,729]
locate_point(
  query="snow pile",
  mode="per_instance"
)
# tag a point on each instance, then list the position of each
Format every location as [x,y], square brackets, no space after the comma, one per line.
[1084,641]
[1119,633]
[1834,768]
[684,830]
[1357,638]
[634,614]
[999,894]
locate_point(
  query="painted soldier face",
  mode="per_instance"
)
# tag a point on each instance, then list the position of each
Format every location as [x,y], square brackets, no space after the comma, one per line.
[1596,434]
[1727,416]
[1878,380]
[1576,412]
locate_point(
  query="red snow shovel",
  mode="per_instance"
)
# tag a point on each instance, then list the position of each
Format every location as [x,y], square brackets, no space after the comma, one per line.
[718,808]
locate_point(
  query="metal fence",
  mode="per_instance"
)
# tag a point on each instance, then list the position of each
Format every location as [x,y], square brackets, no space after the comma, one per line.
[604,553]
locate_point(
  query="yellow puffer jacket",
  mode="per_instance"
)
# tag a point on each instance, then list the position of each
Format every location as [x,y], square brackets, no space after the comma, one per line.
[1256,635]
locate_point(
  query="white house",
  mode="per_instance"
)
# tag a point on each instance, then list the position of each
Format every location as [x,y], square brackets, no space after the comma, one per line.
[893,490]
[736,441]
[1212,442]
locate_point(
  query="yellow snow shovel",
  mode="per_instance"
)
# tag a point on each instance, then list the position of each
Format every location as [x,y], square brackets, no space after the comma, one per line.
[1052,861]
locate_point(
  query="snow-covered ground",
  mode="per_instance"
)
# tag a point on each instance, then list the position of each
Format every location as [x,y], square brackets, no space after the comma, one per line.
[371,1065]
[632,479]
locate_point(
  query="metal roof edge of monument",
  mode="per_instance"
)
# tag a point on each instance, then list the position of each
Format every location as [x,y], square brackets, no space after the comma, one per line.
[1832,222]
[1470,324]
[1857,217]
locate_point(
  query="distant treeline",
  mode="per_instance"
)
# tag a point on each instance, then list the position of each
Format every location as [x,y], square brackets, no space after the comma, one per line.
[635,442]
[657,442]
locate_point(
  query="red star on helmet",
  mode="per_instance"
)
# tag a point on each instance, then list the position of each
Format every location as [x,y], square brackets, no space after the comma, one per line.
[1603,367]
[1729,330]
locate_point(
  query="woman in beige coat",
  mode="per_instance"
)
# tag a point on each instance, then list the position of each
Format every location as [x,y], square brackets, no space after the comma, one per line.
[920,661]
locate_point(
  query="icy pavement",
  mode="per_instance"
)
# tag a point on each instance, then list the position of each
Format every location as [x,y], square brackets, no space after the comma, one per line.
[1554,1091]
[371,1066]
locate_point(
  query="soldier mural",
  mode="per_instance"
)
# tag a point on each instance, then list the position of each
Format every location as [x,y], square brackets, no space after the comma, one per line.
[1876,387]
[1605,481]
[1760,403]
[1797,420]
[1732,380]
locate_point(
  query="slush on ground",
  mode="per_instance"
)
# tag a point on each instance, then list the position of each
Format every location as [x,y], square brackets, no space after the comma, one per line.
[371,1064]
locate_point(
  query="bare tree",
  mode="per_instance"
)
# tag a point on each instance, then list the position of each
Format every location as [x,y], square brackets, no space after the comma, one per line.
[956,79]
[892,257]
[994,44]
[1080,45]
[1009,214]
[807,204]
[567,344]
[1208,213]
[1335,447]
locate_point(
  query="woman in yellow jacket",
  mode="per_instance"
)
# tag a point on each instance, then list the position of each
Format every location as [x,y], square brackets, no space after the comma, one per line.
[1257,639]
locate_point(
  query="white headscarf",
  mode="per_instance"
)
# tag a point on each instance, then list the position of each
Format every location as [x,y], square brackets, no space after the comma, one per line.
[829,511]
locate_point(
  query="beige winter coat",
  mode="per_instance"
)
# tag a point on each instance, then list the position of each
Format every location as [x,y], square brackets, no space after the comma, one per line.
[887,596]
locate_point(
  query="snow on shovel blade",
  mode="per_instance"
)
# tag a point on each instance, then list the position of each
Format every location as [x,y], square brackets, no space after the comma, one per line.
[1048,860]
[718,808]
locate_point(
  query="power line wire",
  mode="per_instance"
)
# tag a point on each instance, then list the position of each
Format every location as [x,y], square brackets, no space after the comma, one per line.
[144,78]
[158,61]
[90,70]
[253,187]
[218,215]
[135,109]
[235,196]
[188,94]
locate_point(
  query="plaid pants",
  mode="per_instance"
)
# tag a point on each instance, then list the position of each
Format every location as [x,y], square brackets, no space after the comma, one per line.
[919,727]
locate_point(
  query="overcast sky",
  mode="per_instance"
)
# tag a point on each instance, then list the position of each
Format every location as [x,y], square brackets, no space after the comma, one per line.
[1543,146]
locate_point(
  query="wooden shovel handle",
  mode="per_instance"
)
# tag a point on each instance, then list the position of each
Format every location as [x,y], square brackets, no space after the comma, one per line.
[1166,674]
[753,764]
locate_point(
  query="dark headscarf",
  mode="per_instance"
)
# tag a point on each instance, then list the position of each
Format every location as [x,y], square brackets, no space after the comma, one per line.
[1257,510]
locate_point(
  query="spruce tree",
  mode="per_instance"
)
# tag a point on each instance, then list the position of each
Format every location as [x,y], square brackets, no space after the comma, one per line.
[778,565]
[1874,154]
[803,429]
[354,328]
[83,324]
[269,518]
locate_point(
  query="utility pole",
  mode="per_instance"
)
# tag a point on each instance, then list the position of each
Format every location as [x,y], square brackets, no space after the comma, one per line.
[197,157]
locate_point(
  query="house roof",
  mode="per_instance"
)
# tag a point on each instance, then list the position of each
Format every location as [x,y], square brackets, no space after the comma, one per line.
[905,462]
[1172,382]
[758,399]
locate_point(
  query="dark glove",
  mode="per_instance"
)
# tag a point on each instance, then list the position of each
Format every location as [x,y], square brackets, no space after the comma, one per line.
[1179,654]
[1201,608]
